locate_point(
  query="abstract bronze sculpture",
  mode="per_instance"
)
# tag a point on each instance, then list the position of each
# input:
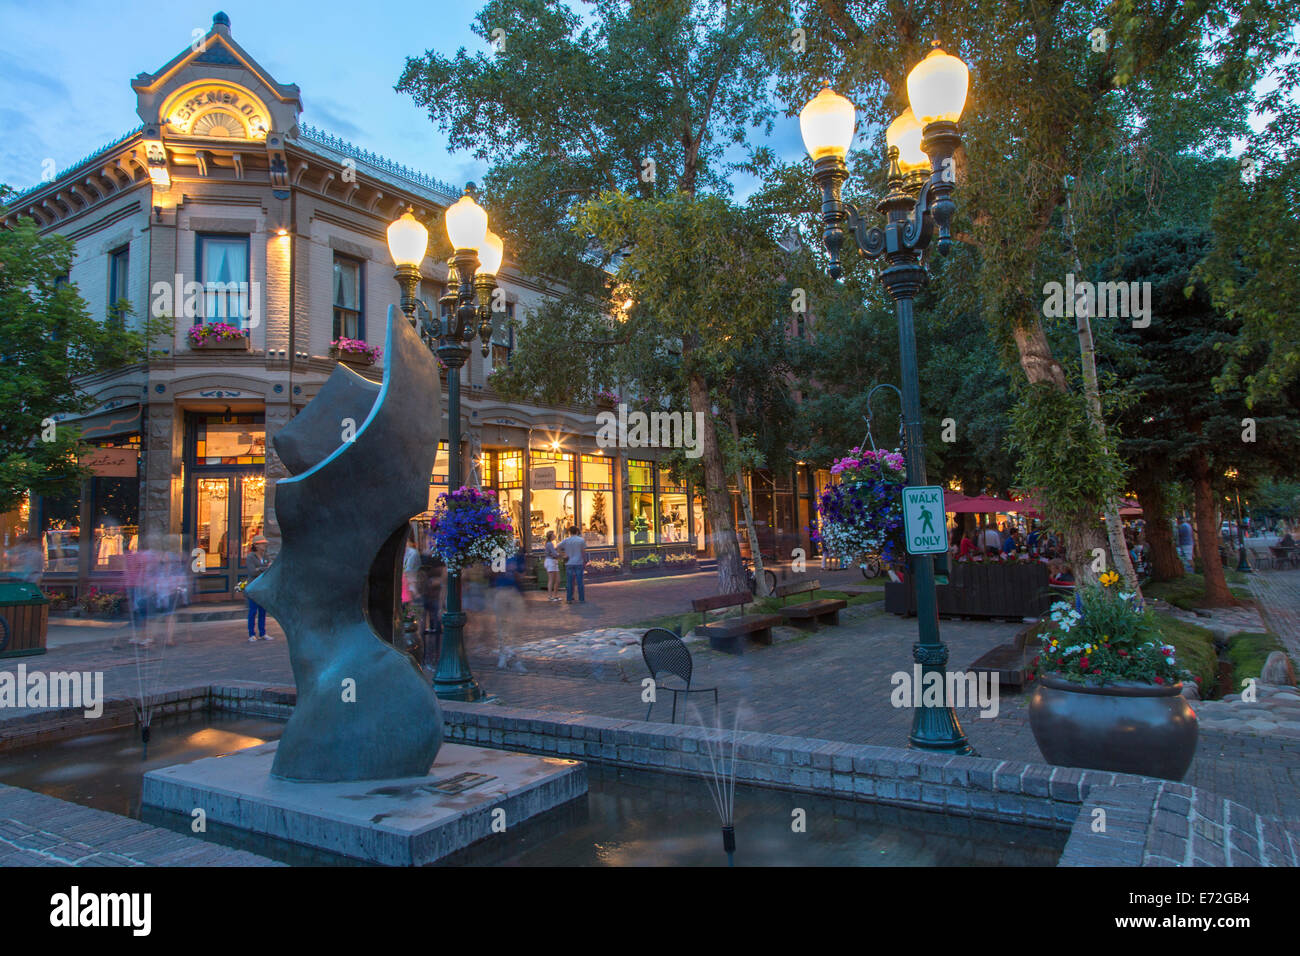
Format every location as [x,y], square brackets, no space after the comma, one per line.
[365,710]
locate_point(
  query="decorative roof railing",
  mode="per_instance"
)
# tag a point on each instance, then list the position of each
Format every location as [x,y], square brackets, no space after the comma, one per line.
[81,162]
[381,163]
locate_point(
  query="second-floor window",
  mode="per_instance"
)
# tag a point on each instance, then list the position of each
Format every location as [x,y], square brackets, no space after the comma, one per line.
[503,336]
[348,319]
[118,271]
[223,271]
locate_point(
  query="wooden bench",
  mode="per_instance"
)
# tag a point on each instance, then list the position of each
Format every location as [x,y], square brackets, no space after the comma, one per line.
[811,614]
[1010,661]
[725,635]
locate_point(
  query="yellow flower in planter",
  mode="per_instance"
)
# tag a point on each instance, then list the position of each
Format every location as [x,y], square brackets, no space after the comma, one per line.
[1109,578]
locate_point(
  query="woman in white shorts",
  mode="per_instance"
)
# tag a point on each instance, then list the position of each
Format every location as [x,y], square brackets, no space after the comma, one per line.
[552,568]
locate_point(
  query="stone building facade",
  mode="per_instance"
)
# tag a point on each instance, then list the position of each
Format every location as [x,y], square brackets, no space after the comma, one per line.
[222,207]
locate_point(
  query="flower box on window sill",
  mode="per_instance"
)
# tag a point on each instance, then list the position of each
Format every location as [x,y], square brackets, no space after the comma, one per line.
[359,359]
[235,343]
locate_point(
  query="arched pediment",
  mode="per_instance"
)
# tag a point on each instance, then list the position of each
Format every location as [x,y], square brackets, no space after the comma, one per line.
[217,109]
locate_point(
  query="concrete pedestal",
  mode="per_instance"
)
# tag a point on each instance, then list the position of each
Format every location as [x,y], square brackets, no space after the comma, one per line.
[408,821]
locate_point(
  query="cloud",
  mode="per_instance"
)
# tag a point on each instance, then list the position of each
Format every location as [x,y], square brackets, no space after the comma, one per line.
[23,74]
[334,122]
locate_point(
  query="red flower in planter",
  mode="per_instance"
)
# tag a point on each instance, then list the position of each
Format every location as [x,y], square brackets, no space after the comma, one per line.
[1160,680]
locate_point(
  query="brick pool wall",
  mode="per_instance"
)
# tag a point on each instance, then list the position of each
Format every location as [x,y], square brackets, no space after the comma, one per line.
[1144,821]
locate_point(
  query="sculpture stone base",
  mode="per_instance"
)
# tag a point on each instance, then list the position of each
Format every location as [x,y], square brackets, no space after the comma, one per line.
[407,821]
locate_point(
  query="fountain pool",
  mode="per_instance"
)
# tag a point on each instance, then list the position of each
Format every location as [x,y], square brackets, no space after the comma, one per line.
[628,818]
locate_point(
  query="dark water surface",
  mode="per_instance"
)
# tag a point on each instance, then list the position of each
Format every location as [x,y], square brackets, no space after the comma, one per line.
[629,817]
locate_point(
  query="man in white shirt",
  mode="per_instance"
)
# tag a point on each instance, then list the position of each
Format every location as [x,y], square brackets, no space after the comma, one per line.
[575,559]
[992,540]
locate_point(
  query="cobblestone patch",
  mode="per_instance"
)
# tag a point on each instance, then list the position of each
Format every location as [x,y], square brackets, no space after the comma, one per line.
[1221,621]
[1275,712]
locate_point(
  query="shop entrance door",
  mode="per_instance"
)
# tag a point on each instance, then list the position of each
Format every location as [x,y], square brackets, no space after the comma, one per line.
[228,514]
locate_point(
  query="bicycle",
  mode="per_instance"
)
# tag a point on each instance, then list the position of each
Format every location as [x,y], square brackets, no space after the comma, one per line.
[752,580]
[871,566]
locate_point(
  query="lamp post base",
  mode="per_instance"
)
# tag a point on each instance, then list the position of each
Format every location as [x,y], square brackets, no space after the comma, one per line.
[454,680]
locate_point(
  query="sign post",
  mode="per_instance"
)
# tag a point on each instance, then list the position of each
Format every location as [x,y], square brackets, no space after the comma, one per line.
[924,525]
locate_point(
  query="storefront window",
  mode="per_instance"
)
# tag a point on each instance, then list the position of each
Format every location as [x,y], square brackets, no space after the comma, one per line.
[438,480]
[115,500]
[551,495]
[701,535]
[673,528]
[597,496]
[239,441]
[509,475]
[641,494]
[117,521]
[252,502]
[61,532]
[212,531]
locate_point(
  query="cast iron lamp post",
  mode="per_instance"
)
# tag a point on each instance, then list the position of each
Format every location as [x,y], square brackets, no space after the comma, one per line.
[1243,563]
[921,182]
[449,334]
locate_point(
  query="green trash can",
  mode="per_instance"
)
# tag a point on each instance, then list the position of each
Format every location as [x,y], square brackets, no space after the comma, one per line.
[24,619]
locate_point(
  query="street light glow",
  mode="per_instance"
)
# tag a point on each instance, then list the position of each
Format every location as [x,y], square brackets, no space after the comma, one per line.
[467,223]
[826,123]
[904,134]
[407,240]
[937,87]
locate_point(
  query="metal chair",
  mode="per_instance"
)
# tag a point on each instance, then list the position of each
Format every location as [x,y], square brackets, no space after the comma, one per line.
[666,653]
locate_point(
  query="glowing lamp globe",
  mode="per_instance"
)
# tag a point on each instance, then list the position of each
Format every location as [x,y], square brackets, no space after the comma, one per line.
[904,134]
[827,123]
[491,253]
[407,240]
[466,223]
[937,87]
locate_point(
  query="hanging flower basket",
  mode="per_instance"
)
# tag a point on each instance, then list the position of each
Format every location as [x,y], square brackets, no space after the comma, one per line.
[354,352]
[606,399]
[218,335]
[863,514]
[469,528]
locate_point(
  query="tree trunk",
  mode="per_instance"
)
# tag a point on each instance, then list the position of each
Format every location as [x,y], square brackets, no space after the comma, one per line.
[1207,535]
[1166,565]
[717,500]
[1092,393]
[743,486]
[1082,538]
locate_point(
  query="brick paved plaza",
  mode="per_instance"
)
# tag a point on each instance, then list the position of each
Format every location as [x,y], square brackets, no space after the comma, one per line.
[832,685]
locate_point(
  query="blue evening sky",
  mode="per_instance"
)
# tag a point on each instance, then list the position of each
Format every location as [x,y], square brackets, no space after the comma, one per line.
[66,67]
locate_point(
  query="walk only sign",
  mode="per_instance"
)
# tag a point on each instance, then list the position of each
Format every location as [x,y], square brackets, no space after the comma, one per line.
[923,522]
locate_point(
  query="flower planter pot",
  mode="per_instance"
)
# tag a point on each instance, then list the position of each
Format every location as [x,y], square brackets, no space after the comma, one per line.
[358,359]
[241,344]
[1126,727]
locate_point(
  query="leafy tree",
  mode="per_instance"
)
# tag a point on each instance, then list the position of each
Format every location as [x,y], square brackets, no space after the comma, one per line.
[1253,266]
[1176,430]
[47,341]
[607,144]
[1046,110]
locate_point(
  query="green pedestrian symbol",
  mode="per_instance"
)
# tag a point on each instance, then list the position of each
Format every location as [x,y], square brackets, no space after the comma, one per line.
[927,522]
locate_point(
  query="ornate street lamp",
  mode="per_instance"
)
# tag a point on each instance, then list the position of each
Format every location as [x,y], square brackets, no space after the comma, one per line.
[919,203]
[449,333]
[1243,563]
